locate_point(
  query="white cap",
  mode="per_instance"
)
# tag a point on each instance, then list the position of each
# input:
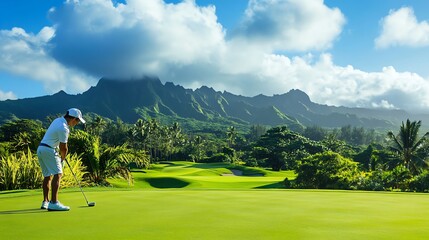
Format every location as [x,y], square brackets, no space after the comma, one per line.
[74,112]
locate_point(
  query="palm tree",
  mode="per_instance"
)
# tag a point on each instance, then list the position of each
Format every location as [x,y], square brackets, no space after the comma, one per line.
[103,161]
[96,126]
[140,134]
[197,152]
[153,130]
[170,135]
[231,135]
[408,146]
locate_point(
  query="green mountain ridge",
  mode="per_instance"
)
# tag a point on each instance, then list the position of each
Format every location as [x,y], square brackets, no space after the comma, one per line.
[148,97]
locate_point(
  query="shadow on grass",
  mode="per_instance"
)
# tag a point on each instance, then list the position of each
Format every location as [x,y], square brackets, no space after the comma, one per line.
[208,165]
[23,211]
[272,185]
[12,191]
[245,171]
[167,182]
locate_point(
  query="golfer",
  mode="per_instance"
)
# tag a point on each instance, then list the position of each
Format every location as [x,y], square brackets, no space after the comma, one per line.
[51,153]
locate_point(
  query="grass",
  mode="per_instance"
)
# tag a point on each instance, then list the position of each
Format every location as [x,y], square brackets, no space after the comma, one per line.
[204,176]
[215,211]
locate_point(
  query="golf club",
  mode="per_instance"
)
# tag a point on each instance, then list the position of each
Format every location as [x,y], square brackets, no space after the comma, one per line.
[90,204]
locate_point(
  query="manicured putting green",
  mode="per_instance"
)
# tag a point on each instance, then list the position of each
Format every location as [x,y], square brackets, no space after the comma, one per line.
[217,214]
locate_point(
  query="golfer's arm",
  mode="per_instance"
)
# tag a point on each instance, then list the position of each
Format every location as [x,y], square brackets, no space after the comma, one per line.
[63,150]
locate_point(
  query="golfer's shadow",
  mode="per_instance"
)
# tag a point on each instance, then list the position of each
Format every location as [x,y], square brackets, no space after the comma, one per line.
[23,211]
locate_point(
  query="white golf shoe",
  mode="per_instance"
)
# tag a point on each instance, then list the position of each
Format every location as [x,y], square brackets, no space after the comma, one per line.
[57,207]
[44,205]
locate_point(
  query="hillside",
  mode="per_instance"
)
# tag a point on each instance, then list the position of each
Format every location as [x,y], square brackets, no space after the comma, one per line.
[149,97]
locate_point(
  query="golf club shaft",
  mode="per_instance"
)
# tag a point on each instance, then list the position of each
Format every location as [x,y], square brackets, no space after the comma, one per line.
[75,178]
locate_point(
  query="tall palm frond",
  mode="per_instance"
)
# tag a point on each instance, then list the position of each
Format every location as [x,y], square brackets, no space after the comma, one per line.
[408,146]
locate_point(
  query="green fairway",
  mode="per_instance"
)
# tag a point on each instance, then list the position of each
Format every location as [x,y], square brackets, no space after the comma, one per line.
[181,200]
[218,214]
[205,176]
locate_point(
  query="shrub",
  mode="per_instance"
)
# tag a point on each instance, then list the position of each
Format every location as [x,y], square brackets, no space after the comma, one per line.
[420,183]
[327,170]
[372,181]
[20,171]
[219,157]
[78,169]
[385,180]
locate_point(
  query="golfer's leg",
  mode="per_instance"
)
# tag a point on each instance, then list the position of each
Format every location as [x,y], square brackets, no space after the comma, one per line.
[46,186]
[55,187]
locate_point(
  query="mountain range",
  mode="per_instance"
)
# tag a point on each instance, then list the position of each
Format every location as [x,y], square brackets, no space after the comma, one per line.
[130,100]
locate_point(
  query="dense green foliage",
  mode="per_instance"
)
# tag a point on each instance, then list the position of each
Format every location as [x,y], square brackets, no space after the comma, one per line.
[332,158]
[411,150]
[281,148]
[326,170]
[21,170]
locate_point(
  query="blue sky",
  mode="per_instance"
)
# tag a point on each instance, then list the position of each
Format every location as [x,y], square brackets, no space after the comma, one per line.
[358,53]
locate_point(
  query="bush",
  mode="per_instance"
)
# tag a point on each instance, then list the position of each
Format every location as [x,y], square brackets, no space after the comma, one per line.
[5,149]
[384,180]
[219,157]
[78,169]
[327,170]
[373,181]
[20,171]
[420,183]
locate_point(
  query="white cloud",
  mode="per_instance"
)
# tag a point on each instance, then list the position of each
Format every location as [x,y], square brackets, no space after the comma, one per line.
[297,25]
[183,42]
[138,38]
[383,104]
[7,95]
[401,28]
[24,54]
[335,85]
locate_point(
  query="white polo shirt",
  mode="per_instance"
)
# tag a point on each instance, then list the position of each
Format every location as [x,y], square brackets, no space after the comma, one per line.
[57,132]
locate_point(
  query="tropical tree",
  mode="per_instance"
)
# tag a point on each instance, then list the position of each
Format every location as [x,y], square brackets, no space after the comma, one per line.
[154,140]
[326,170]
[197,150]
[255,132]
[332,142]
[173,140]
[96,126]
[22,134]
[115,133]
[231,135]
[315,133]
[117,162]
[409,147]
[139,134]
[103,161]
[280,148]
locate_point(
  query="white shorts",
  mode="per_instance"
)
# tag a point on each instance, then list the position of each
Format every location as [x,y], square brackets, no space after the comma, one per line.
[50,161]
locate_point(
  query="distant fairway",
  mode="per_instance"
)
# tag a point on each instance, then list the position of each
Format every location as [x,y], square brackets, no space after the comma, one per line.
[205,176]
[192,212]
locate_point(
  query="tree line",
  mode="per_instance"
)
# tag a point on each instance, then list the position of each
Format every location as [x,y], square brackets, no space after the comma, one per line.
[344,158]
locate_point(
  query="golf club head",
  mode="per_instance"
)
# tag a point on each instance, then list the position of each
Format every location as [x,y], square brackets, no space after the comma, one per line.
[91,204]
